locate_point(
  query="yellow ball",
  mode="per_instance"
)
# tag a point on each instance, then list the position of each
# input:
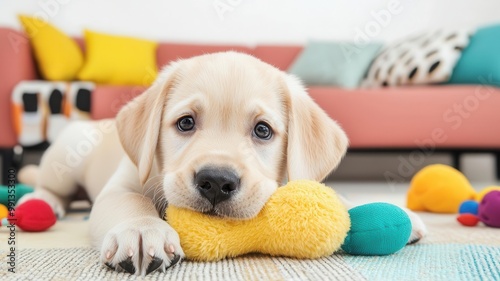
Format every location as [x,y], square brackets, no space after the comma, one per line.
[3,211]
[439,189]
[486,190]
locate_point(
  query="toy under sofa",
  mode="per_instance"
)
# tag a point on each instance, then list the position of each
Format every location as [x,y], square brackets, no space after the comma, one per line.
[418,118]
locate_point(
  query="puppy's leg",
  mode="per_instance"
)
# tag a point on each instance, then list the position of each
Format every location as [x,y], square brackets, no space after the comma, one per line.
[127,229]
[57,174]
[418,228]
[418,231]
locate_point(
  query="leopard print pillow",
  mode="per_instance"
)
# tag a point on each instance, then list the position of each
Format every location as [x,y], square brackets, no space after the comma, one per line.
[425,59]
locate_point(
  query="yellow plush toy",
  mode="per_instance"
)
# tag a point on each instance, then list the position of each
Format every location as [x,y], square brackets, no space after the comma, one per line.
[303,219]
[439,189]
[486,190]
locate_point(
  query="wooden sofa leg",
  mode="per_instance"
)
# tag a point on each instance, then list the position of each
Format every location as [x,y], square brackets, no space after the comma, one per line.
[7,155]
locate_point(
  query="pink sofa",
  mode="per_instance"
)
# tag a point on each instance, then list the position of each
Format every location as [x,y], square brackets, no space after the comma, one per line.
[454,118]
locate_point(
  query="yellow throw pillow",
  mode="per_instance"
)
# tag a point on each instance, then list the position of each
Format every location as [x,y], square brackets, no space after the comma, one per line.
[59,57]
[119,60]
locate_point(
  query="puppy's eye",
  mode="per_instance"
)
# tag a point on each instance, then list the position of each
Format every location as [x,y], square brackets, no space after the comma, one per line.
[262,131]
[185,123]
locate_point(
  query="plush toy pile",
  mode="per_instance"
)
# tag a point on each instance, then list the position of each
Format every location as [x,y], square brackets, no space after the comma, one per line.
[443,189]
[486,210]
[303,219]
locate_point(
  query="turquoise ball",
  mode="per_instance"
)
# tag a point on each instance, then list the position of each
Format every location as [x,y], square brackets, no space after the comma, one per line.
[377,229]
[20,189]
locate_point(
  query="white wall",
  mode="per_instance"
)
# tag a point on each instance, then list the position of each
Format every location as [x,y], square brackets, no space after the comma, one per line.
[257,21]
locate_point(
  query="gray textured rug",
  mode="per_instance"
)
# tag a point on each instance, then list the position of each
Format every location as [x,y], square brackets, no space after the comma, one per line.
[426,261]
[83,264]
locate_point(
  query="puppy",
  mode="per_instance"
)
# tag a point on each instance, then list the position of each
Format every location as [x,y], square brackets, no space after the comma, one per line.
[216,134]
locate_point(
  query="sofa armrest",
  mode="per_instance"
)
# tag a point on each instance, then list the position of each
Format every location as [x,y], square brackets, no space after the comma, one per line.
[16,64]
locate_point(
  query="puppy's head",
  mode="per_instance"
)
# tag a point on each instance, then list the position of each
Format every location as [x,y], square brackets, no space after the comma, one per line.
[226,129]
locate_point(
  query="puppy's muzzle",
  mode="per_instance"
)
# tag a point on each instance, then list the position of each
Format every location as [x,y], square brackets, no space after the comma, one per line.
[217,184]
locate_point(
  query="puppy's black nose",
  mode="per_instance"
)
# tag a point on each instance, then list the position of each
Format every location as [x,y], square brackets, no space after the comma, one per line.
[217,184]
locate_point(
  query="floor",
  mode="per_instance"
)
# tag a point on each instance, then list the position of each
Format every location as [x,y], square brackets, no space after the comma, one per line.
[73,230]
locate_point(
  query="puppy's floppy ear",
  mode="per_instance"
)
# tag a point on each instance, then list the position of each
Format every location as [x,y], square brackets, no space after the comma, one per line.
[316,143]
[139,122]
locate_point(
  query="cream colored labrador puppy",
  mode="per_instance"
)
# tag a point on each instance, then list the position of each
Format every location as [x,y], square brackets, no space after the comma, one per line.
[216,133]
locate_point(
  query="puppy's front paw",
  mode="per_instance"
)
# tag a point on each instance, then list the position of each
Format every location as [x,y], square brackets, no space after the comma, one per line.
[418,228]
[141,246]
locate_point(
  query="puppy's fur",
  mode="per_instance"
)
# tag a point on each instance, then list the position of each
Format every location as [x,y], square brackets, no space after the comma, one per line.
[227,94]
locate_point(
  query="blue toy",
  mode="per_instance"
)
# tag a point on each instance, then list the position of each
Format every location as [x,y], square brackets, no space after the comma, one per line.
[377,229]
[469,207]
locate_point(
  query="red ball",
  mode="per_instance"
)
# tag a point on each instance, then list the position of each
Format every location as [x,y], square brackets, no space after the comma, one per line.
[468,219]
[33,215]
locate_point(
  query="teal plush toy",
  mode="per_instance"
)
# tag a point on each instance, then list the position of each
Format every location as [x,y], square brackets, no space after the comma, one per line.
[377,229]
[20,191]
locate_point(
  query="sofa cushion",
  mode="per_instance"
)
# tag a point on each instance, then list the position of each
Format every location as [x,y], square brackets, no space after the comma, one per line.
[334,63]
[58,55]
[169,52]
[480,61]
[280,56]
[118,60]
[425,59]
